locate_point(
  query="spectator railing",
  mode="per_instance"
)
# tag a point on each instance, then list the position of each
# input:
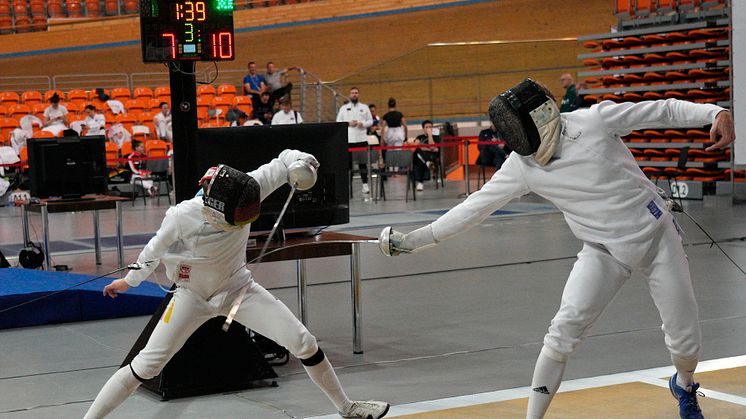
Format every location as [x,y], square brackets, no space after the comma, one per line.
[90,81]
[23,83]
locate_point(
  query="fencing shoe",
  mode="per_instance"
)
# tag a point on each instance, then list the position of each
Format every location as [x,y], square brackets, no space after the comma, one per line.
[688,405]
[420,186]
[366,410]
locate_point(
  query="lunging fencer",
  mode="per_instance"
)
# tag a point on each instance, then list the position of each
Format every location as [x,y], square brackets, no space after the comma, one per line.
[202,243]
[578,162]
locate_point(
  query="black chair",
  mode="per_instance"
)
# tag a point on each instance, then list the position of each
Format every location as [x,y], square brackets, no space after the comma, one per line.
[669,173]
[396,162]
[158,174]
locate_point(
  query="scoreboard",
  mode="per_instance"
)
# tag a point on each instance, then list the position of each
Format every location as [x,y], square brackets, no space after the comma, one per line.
[186,30]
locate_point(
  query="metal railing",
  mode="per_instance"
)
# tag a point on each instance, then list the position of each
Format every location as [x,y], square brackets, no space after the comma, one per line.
[90,81]
[23,83]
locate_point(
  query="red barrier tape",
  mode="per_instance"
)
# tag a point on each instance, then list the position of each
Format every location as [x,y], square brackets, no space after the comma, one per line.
[119,160]
[412,146]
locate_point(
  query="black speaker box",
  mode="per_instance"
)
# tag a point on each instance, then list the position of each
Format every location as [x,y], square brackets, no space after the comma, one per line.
[211,361]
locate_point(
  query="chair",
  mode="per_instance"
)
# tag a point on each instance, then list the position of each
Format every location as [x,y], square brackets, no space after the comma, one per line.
[121,93]
[9,98]
[203,103]
[244,104]
[669,173]
[135,105]
[158,174]
[140,132]
[222,103]
[205,91]
[112,155]
[91,8]
[155,103]
[226,91]
[146,116]
[126,149]
[163,93]
[156,148]
[3,111]
[19,110]
[142,93]
[397,162]
[30,97]
[78,96]
[38,109]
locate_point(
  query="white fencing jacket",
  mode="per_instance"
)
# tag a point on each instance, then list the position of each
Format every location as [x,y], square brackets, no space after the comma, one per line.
[592,178]
[357,112]
[199,257]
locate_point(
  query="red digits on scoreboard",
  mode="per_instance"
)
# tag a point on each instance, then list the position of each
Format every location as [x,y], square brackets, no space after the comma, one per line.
[172,37]
[222,45]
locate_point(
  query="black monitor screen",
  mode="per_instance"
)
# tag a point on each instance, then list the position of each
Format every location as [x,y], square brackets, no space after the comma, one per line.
[67,167]
[247,148]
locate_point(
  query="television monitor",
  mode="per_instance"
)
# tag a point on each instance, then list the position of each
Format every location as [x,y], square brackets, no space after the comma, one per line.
[67,167]
[247,148]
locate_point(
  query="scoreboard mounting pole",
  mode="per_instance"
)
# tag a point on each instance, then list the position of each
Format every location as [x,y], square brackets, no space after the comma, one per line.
[180,33]
[184,122]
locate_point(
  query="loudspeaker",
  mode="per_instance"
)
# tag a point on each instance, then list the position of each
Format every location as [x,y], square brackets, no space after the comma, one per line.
[3,262]
[211,361]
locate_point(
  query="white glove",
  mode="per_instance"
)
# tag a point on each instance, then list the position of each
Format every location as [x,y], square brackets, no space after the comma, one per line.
[393,243]
[287,157]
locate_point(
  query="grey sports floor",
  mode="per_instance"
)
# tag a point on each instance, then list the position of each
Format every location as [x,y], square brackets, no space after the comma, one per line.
[465,317]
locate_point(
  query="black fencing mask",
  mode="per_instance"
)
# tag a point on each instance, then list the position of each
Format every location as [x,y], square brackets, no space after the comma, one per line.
[232,198]
[524,116]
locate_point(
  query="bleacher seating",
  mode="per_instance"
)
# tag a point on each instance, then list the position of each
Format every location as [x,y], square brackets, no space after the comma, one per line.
[665,49]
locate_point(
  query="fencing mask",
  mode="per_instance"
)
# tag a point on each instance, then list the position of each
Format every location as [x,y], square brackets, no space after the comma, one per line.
[528,120]
[231,198]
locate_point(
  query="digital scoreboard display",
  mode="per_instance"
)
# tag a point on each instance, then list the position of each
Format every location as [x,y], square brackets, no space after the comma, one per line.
[189,30]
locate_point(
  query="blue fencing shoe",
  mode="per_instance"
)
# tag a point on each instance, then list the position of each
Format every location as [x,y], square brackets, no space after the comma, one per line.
[688,405]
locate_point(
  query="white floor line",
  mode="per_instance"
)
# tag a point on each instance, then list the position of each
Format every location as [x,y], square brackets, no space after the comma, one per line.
[654,376]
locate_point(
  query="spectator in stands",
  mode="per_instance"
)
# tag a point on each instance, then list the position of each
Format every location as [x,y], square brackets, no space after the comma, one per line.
[55,116]
[264,110]
[358,118]
[580,101]
[137,167]
[393,126]
[424,158]
[254,84]
[234,116]
[374,129]
[94,121]
[277,82]
[492,154]
[162,122]
[286,115]
[569,102]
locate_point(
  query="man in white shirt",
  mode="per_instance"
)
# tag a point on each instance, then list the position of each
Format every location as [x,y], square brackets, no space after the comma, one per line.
[358,117]
[202,243]
[94,121]
[287,115]
[55,116]
[162,122]
[578,162]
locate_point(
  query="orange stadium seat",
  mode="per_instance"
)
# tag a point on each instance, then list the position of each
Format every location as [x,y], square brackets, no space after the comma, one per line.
[3,111]
[136,105]
[222,103]
[77,96]
[39,23]
[30,97]
[666,5]
[4,8]
[74,8]
[6,24]
[131,6]
[37,8]
[141,132]
[163,93]
[75,108]
[112,154]
[142,93]
[244,104]
[43,134]
[121,93]
[19,110]
[7,125]
[38,109]
[23,154]
[9,98]
[125,119]
[91,8]
[146,116]
[54,8]
[624,8]
[126,149]
[644,7]
[205,91]
[111,7]
[156,148]
[203,103]
[226,90]
[155,103]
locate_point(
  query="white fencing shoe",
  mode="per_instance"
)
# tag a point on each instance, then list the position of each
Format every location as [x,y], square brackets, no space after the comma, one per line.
[366,410]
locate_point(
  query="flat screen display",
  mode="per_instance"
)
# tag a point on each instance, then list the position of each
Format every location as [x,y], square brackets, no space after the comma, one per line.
[67,167]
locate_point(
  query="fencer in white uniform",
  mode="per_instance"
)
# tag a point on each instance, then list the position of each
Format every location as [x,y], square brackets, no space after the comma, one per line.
[202,243]
[579,163]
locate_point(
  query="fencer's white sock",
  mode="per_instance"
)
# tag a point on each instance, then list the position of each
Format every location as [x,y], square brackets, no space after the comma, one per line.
[323,375]
[115,391]
[685,369]
[545,383]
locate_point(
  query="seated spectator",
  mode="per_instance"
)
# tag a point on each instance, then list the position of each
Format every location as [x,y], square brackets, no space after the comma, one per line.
[55,116]
[394,126]
[254,84]
[491,155]
[19,136]
[374,129]
[137,167]
[94,121]
[424,158]
[264,110]
[286,115]
[162,122]
[277,82]
[118,134]
[235,115]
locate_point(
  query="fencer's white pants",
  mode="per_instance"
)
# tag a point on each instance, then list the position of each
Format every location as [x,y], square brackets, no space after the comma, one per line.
[259,311]
[596,278]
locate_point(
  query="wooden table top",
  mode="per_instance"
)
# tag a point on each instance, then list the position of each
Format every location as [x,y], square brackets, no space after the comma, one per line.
[87,203]
[306,247]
